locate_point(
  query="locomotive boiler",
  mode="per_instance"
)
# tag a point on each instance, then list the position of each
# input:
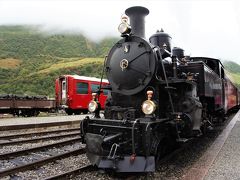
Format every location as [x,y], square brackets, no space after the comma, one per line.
[153,102]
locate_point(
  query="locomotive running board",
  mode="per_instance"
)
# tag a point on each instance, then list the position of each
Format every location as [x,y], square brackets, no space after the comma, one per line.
[140,164]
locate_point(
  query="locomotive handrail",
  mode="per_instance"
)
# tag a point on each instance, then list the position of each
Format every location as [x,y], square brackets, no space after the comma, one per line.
[100,86]
[159,56]
[133,139]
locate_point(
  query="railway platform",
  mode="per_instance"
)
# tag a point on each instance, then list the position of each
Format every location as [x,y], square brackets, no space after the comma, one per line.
[227,162]
[221,161]
[15,123]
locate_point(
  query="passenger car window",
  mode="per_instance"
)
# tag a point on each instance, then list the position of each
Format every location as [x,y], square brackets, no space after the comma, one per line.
[105,92]
[82,88]
[64,85]
[94,87]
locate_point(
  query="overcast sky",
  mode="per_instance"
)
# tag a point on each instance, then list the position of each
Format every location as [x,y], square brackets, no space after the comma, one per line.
[202,27]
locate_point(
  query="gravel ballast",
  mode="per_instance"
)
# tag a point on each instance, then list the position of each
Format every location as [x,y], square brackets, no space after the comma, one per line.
[172,169]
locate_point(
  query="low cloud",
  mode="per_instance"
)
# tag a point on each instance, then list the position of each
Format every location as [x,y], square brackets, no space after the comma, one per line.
[202,28]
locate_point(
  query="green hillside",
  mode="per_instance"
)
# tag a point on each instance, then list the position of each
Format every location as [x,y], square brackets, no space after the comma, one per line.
[233,72]
[232,66]
[31,60]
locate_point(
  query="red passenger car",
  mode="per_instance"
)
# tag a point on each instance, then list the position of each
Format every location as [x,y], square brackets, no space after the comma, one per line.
[231,94]
[73,93]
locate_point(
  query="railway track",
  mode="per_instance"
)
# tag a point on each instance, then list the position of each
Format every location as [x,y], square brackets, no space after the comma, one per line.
[43,124]
[30,134]
[39,155]
[40,162]
[38,148]
[38,139]
[72,173]
[33,149]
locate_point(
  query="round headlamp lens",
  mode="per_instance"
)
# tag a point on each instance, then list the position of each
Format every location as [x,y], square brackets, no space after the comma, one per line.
[92,106]
[148,107]
[123,28]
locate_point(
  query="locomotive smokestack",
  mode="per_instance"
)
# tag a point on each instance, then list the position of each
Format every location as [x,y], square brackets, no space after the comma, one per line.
[137,15]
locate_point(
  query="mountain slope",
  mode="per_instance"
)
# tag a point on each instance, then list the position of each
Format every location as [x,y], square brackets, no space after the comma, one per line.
[42,82]
[233,71]
[31,60]
[232,67]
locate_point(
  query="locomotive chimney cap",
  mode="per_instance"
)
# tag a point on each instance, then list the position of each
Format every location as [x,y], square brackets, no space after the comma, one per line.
[136,15]
[137,10]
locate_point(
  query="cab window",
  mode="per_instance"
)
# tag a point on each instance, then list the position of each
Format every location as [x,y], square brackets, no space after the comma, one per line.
[222,73]
[82,88]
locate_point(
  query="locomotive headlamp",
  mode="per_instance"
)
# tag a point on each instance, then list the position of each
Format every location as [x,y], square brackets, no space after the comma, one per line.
[124,28]
[148,106]
[92,106]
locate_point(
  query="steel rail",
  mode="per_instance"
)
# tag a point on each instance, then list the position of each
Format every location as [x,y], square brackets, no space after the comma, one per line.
[40,162]
[38,139]
[40,125]
[72,173]
[30,150]
[11,136]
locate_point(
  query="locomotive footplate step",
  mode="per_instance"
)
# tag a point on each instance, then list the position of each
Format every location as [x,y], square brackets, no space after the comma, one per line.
[140,164]
[182,140]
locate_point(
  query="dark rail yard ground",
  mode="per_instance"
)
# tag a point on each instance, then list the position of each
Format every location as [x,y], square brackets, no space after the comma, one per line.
[50,148]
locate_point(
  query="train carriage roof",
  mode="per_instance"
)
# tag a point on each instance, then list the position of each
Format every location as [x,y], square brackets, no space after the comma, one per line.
[206,59]
[214,64]
[85,78]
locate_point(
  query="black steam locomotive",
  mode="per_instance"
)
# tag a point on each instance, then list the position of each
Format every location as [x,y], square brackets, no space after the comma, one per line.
[153,102]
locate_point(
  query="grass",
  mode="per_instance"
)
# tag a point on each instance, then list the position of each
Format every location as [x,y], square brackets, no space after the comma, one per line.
[71,64]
